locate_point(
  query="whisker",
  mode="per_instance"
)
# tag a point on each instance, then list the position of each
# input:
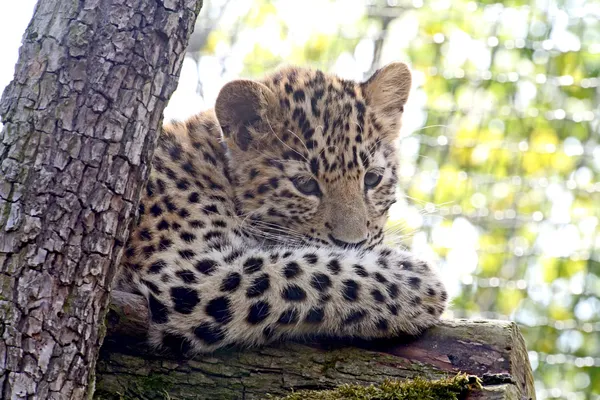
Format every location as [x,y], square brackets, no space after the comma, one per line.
[431,126]
[270,230]
[372,147]
[277,228]
[300,139]
[285,144]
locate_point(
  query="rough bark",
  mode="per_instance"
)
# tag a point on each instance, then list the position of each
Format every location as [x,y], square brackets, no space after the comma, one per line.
[80,124]
[492,350]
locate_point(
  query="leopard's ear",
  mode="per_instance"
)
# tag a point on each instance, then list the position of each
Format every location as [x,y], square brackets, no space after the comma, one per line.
[387,92]
[243,108]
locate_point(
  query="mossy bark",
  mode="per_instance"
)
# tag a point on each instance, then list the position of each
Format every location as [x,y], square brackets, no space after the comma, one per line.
[494,351]
[454,388]
[81,119]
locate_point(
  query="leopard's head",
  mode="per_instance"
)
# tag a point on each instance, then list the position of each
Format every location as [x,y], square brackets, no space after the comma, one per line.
[313,155]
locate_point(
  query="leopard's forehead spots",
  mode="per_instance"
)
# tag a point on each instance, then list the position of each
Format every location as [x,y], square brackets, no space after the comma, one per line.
[325,122]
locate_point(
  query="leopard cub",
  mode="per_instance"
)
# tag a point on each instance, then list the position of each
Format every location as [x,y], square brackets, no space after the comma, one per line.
[263,218]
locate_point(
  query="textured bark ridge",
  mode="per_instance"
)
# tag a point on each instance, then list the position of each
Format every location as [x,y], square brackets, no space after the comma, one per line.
[492,350]
[80,121]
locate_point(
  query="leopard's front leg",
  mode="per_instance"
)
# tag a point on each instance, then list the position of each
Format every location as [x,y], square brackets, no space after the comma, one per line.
[250,297]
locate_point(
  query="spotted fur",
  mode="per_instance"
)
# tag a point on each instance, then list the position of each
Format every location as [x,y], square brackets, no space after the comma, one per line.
[263,219]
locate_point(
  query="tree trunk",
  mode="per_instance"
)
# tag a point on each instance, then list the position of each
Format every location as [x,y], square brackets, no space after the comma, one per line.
[81,120]
[492,350]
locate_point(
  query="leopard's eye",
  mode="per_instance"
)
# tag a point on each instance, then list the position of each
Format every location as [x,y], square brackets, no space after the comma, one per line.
[372,179]
[307,186]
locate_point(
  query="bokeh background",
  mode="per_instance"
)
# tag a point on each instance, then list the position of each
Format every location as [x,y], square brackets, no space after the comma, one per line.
[500,148]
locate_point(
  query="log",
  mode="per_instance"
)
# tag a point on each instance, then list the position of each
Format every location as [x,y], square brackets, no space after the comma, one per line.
[494,351]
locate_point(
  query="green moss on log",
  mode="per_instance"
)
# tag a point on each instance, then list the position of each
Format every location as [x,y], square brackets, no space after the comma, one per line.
[139,388]
[417,389]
